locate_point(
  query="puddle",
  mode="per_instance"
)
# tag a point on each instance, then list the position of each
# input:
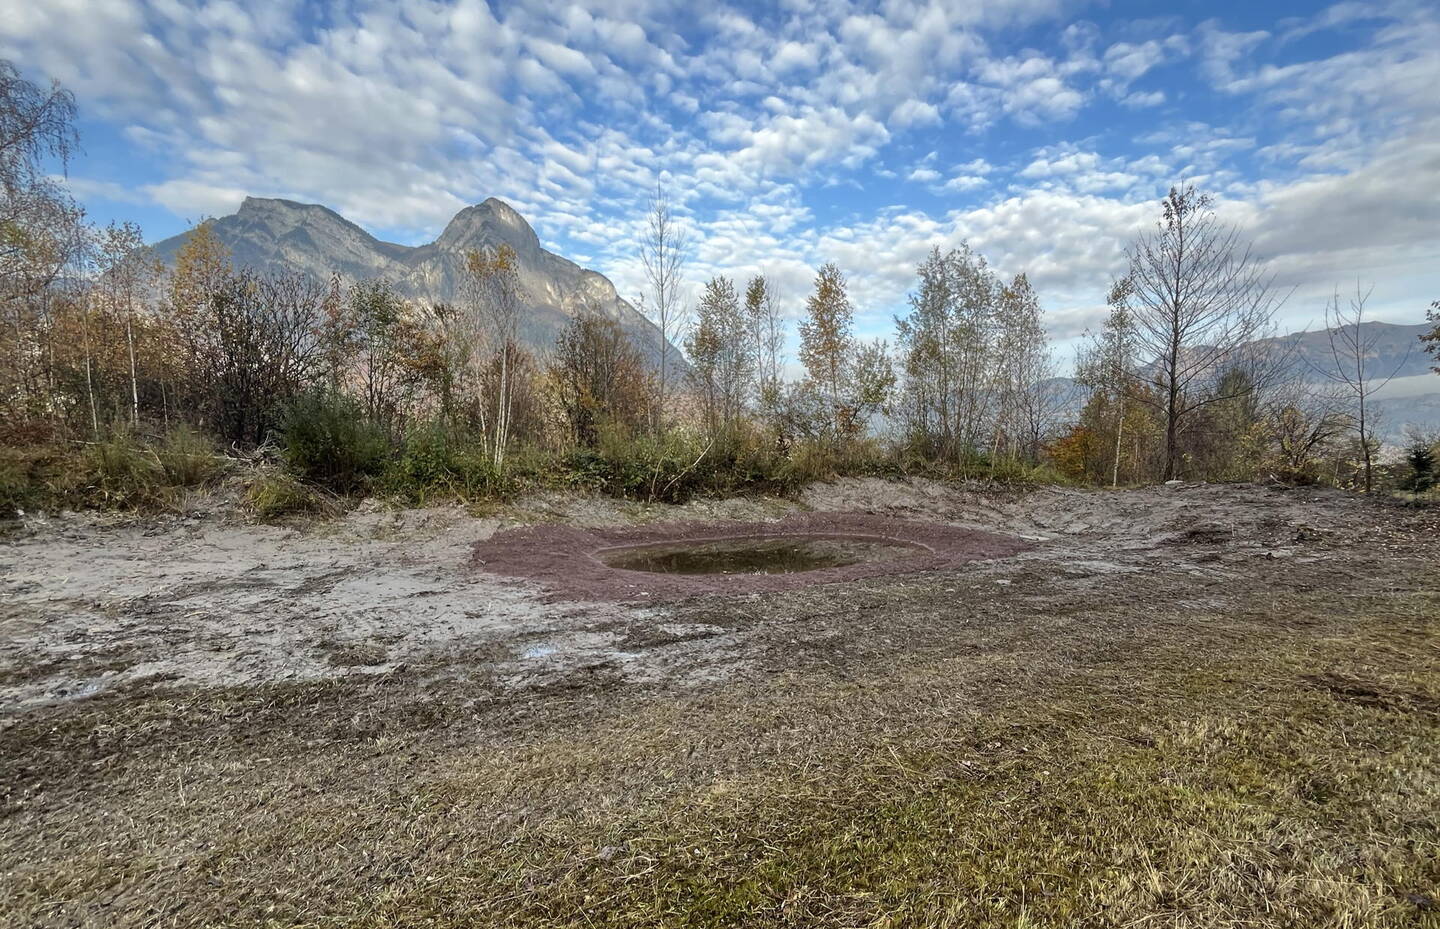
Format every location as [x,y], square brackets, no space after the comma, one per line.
[788,554]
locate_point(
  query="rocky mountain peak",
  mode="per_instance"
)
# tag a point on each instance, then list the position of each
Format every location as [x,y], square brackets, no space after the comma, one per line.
[490,224]
[276,234]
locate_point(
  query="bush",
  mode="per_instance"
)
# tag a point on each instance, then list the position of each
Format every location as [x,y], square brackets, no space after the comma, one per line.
[187,457]
[16,492]
[119,471]
[327,439]
[275,495]
[435,462]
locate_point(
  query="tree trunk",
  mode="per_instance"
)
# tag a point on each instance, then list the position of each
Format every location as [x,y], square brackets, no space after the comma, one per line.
[134,380]
[1119,431]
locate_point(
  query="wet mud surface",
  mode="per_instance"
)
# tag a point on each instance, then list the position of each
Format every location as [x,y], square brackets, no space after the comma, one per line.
[595,564]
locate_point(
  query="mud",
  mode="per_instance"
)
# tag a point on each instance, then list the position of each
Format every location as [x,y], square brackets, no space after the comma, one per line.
[570,563]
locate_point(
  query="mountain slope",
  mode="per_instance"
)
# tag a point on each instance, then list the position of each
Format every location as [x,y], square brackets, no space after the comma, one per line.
[1410,401]
[268,234]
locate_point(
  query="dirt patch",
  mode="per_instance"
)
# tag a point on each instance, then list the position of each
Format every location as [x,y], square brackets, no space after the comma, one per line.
[568,561]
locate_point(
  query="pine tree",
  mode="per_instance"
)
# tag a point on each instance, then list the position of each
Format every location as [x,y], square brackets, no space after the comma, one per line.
[1421,459]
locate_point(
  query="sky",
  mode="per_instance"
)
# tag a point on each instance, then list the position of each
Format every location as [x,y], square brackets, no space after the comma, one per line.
[1041,132]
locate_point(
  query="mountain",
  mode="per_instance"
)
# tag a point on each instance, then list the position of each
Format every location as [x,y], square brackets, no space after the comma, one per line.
[1411,399]
[1395,351]
[268,234]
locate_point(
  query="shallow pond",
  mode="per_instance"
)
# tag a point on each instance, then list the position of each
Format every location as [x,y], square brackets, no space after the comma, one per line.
[762,555]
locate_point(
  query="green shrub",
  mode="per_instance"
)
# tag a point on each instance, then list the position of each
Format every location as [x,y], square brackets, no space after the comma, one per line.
[16,491]
[187,457]
[327,439]
[276,494]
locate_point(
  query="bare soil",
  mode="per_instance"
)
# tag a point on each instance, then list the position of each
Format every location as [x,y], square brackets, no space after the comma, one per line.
[204,722]
[568,561]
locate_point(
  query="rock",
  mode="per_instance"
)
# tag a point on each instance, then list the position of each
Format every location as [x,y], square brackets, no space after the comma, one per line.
[1175,483]
[272,234]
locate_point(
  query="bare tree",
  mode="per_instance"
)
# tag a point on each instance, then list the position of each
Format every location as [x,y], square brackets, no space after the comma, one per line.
[1347,364]
[1199,299]
[663,252]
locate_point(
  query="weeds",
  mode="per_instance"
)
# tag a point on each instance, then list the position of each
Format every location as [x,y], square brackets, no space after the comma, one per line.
[122,472]
[188,458]
[276,495]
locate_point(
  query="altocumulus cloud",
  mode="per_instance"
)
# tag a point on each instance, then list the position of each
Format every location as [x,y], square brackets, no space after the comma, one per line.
[1040,131]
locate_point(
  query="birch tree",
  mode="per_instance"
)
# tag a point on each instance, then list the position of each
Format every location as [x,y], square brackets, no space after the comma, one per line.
[1105,367]
[126,273]
[767,336]
[496,275]
[721,356]
[826,343]
[1023,366]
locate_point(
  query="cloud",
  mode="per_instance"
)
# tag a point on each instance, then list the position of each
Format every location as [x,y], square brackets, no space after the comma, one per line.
[783,132]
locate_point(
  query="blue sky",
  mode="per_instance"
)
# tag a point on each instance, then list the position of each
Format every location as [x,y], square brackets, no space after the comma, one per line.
[1041,131]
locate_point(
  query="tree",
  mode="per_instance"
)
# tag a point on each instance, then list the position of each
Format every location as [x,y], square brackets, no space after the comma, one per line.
[1420,456]
[126,273]
[662,253]
[202,270]
[1199,299]
[1105,367]
[721,355]
[35,123]
[1023,368]
[947,352]
[826,344]
[600,378]
[42,232]
[1347,365]
[1302,424]
[496,279]
[767,335]
[383,345]
[1432,338]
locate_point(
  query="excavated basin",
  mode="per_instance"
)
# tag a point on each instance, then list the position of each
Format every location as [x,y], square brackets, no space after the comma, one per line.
[787,554]
[671,561]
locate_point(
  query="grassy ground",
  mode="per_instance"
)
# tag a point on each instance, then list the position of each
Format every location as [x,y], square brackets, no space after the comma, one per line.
[1151,757]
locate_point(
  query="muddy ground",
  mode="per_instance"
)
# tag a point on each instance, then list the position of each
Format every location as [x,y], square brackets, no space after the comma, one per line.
[169,684]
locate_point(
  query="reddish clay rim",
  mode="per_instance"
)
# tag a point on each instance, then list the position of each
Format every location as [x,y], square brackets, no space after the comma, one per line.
[565,559]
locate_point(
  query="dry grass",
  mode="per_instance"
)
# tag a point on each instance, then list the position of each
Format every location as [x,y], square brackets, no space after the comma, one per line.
[1288,778]
[907,752]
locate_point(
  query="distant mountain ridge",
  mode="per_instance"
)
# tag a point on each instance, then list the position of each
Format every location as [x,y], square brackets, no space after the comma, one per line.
[1410,401]
[272,234]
